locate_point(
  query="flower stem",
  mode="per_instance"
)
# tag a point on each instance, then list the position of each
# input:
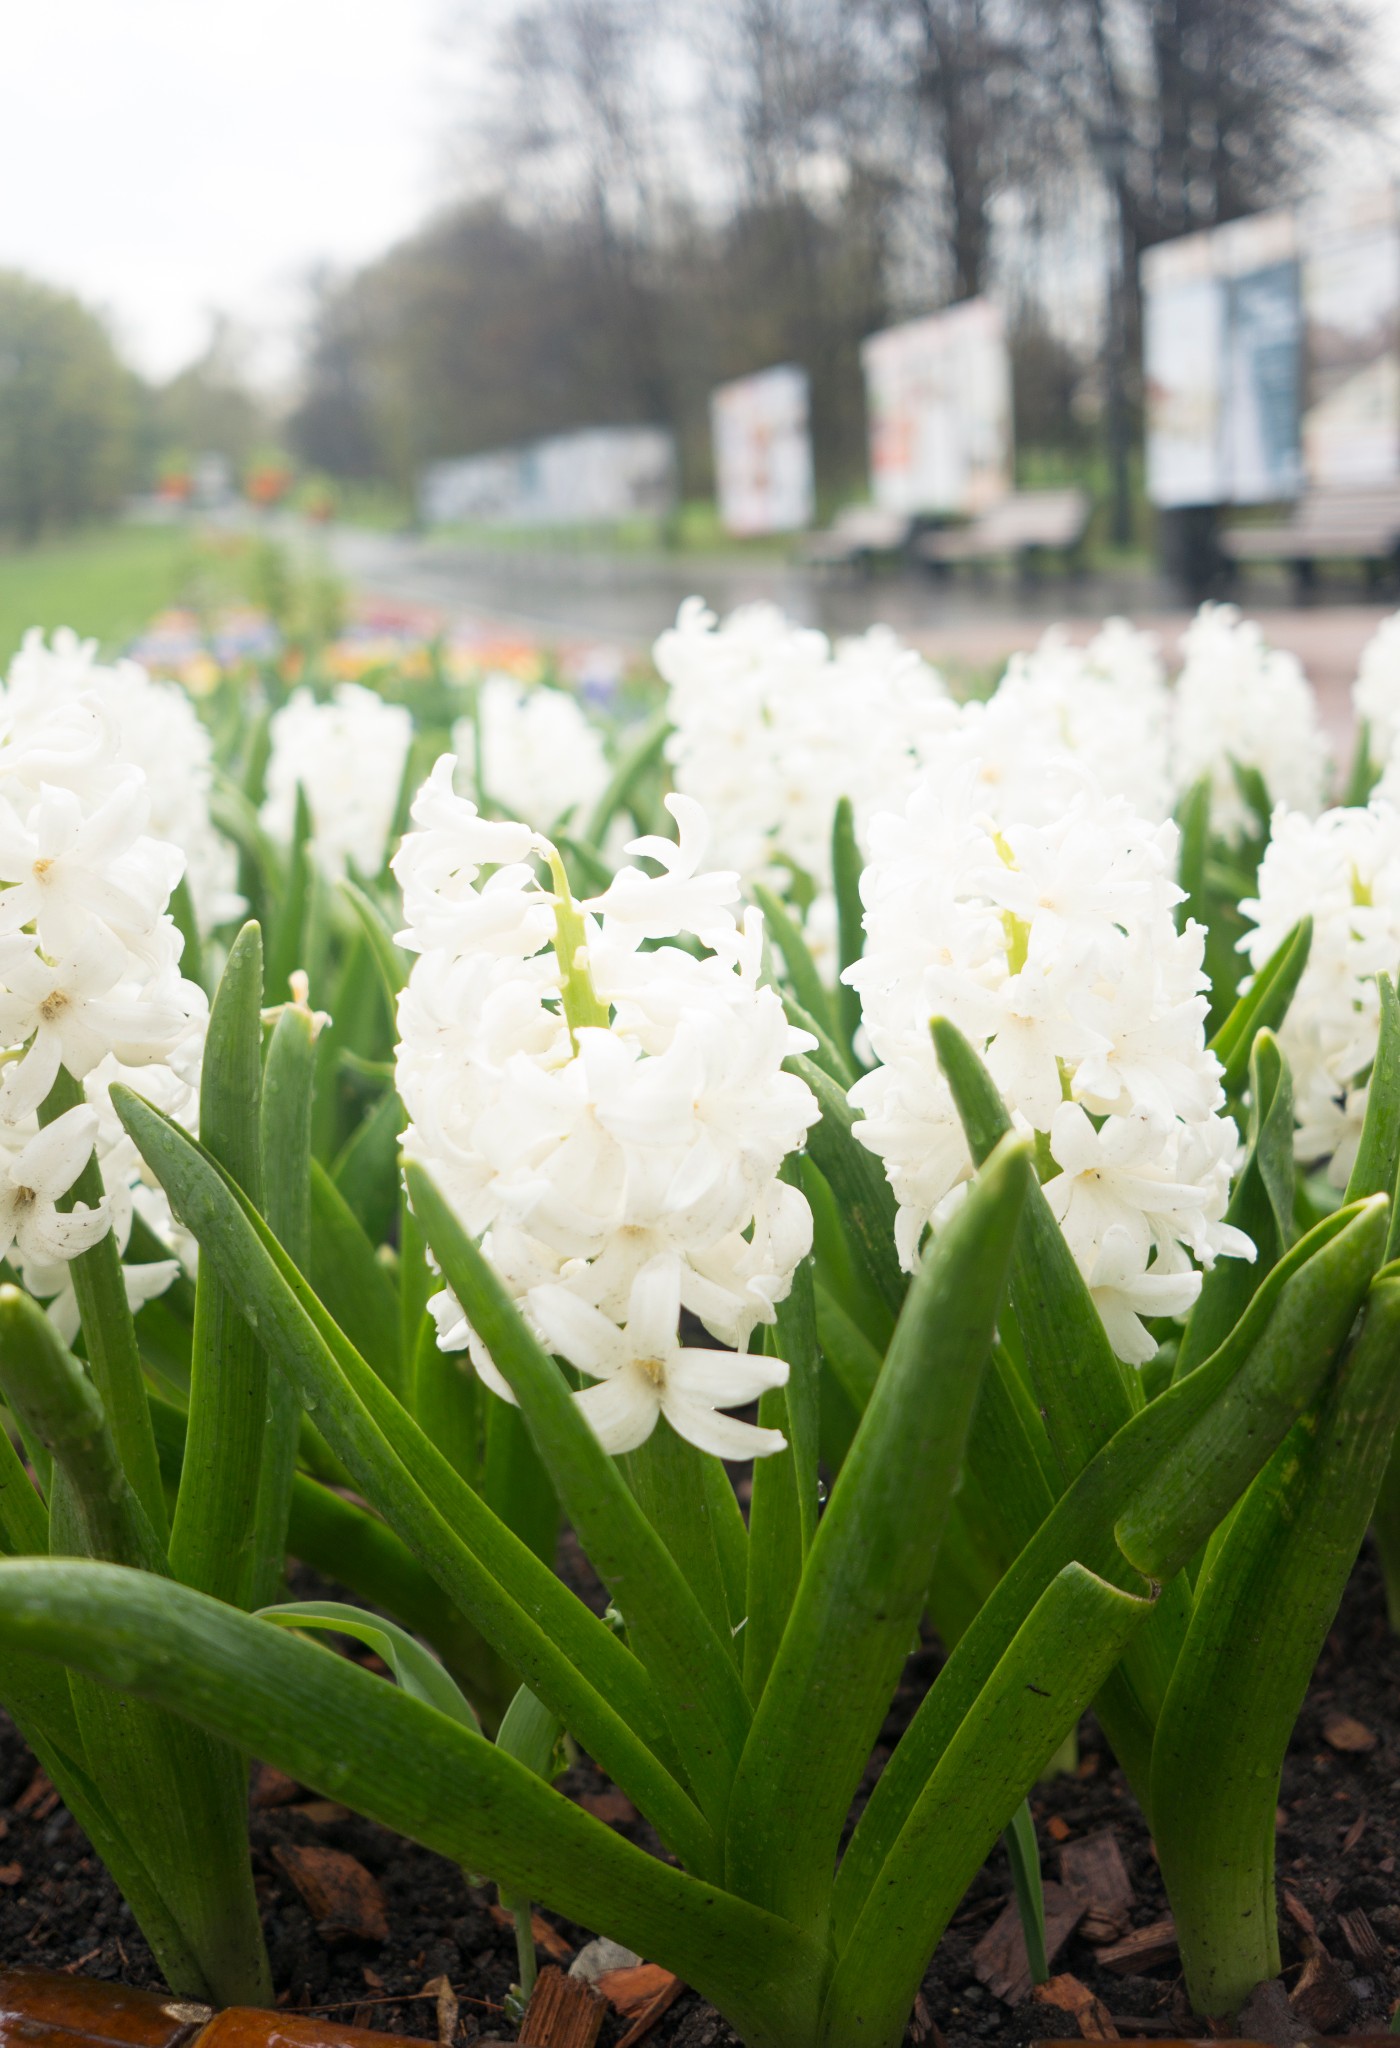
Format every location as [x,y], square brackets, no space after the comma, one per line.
[582,1007]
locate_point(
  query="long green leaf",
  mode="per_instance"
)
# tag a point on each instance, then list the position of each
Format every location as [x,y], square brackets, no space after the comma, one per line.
[109,1334]
[418,1673]
[352,1280]
[859,1600]
[846,866]
[575,1664]
[360,1740]
[693,1671]
[1265,1005]
[388,959]
[288,1082]
[344,1541]
[1032,1699]
[1082,1390]
[1226,1418]
[1264,1605]
[803,974]
[176,1799]
[858,1182]
[630,771]
[783,1502]
[1261,1205]
[212,1538]
[1378,1154]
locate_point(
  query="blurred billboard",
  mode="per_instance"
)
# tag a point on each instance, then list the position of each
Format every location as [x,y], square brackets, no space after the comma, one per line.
[762,440]
[1351,298]
[1222,365]
[938,395]
[597,476]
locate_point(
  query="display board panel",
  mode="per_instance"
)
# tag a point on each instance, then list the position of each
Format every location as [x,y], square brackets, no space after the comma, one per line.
[1351,305]
[1222,363]
[938,395]
[598,476]
[763,452]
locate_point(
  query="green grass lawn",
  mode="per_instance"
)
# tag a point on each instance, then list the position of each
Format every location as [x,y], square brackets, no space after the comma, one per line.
[106,582]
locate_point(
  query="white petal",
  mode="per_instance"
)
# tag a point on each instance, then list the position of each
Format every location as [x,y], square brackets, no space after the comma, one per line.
[621,1412]
[724,1379]
[722,1436]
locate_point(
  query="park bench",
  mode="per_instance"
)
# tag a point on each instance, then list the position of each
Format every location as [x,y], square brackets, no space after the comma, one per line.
[1361,525]
[855,537]
[1021,528]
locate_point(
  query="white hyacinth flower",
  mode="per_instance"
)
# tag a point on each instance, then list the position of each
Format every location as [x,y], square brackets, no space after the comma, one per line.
[607,1109]
[348,755]
[158,731]
[1243,704]
[1052,946]
[1343,871]
[90,982]
[773,725]
[536,755]
[35,1174]
[1376,692]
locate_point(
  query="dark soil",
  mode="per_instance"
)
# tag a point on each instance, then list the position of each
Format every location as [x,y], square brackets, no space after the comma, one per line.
[1339,1844]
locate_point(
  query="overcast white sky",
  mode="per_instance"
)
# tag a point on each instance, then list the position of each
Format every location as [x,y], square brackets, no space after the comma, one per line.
[164,158]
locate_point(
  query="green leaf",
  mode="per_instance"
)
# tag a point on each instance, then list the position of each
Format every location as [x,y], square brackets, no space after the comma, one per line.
[182,910]
[212,1540]
[378,934]
[345,1541]
[288,1082]
[530,1733]
[109,1335]
[1221,1424]
[803,974]
[1023,1855]
[827,1054]
[857,1180]
[575,1664]
[1081,1388]
[858,1604]
[784,1498]
[1261,1205]
[47,1389]
[289,931]
[1266,1004]
[353,1738]
[1193,818]
[1264,1604]
[1182,1502]
[635,764]
[177,1801]
[692,1670]
[1365,771]
[1034,1696]
[419,1674]
[846,867]
[365,1171]
[1378,1154]
[352,1280]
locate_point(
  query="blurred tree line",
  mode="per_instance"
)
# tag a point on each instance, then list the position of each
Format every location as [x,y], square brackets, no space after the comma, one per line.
[658,197]
[80,431]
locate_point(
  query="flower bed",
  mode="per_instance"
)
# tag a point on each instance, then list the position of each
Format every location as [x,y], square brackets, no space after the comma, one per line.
[851,1160]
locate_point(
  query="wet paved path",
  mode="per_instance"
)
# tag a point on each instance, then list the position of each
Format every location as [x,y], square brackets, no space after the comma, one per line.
[629,599]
